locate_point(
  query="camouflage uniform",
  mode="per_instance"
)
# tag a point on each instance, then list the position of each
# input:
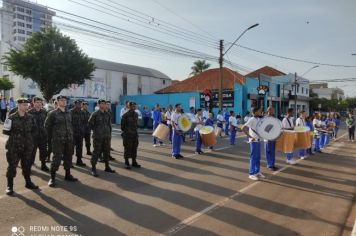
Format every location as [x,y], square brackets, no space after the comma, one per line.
[100,123]
[59,128]
[19,148]
[40,140]
[87,131]
[130,137]
[12,111]
[78,133]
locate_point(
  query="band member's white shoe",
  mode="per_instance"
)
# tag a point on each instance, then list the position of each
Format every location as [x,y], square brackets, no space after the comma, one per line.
[303,158]
[291,162]
[260,175]
[155,145]
[253,177]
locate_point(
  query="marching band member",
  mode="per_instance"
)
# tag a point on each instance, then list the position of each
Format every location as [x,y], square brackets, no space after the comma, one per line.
[157,119]
[287,124]
[322,134]
[210,122]
[169,122]
[191,131]
[200,122]
[177,133]
[205,114]
[300,122]
[226,119]
[220,122]
[317,128]
[246,118]
[309,123]
[233,126]
[337,122]
[270,146]
[255,151]
[327,122]
[350,122]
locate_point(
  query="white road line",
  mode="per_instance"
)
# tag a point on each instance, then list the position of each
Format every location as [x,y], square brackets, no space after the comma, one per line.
[190,220]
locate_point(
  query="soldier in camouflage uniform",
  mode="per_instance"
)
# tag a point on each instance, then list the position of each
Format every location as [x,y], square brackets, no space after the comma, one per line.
[78,130]
[87,130]
[55,106]
[40,134]
[100,123]
[19,126]
[130,136]
[59,128]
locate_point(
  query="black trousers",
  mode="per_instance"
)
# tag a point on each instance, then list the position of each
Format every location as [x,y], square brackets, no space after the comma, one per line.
[3,114]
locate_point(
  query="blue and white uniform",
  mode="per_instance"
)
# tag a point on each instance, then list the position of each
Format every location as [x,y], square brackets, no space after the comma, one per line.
[287,123]
[316,125]
[168,116]
[197,134]
[255,149]
[177,134]
[233,126]
[157,119]
[270,152]
[300,122]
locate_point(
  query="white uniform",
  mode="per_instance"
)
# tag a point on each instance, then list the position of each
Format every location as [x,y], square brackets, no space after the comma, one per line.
[123,111]
[174,118]
[168,117]
[220,118]
[232,122]
[252,125]
[300,122]
[316,124]
[205,115]
[199,119]
[287,123]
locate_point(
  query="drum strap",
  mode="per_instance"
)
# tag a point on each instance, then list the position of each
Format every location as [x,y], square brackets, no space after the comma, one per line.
[290,125]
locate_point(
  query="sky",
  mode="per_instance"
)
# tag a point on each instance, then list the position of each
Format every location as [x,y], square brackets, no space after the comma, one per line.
[315,30]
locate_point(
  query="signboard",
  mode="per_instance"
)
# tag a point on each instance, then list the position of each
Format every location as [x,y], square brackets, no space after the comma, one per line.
[228,99]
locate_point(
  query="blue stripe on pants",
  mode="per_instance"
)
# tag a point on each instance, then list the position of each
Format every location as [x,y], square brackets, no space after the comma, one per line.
[270,153]
[197,141]
[301,153]
[232,136]
[177,142]
[255,157]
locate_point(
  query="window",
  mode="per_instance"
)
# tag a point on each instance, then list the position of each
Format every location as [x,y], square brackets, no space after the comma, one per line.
[20,9]
[302,90]
[20,31]
[14,23]
[28,11]
[22,17]
[49,17]
[15,38]
[21,38]
[139,87]
[164,81]
[28,18]
[21,24]
[124,85]
[28,32]
[15,31]
[29,26]
[306,91]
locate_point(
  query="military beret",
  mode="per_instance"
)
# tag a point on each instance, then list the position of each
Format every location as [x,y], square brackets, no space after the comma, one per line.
[61,97]
[107,101]
[85,103]
[77,101]
[22,100]
[132,103]
[101,101]
[35,99]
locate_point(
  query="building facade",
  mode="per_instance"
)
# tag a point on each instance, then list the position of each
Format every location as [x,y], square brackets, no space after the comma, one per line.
[19,20]
[323,91]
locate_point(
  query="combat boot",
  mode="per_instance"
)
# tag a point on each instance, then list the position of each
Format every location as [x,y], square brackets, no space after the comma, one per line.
[80,162]
[69,177]
[10,186]
[44,166]
[93,171]
[52,181]
[107,168]
[135,164]
[127,164]
[29,183]
[89,152]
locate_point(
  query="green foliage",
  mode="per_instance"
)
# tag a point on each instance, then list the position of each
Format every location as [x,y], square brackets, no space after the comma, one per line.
[52,60]
[333,104]
[6,84]
[199,67]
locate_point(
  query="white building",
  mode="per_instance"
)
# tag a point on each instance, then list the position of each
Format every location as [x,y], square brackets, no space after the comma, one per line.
[323,91]
[19,19]
[110,81]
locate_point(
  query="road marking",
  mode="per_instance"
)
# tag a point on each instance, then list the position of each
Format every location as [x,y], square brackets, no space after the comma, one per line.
[190,220]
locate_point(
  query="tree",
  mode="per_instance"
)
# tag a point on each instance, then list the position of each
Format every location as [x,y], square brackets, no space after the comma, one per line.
[6,84]
[52,60]
[199,67]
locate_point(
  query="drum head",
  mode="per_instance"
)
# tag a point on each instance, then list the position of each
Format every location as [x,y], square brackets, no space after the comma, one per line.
[302,129]
[184,123]
[269,128]
[206,130]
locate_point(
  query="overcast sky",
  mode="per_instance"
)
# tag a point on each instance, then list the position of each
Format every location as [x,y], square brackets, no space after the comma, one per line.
[320,30]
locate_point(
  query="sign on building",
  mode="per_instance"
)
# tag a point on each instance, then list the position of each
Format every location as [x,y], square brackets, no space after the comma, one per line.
[228,99]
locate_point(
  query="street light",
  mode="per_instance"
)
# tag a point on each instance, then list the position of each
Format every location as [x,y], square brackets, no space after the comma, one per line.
[221,61]
[295,87]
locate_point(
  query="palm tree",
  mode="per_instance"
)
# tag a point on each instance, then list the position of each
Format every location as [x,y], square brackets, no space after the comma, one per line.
[199,67]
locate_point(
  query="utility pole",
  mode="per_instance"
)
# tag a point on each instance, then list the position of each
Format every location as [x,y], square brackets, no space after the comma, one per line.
[295,95]
[221,61]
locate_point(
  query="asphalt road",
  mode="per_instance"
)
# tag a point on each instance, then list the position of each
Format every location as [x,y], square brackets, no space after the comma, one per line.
[208,194]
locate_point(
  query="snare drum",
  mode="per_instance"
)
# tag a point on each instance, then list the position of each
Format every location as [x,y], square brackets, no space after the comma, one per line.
[302,140]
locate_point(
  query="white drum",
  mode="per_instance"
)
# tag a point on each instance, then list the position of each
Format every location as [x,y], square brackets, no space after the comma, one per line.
[269,128]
